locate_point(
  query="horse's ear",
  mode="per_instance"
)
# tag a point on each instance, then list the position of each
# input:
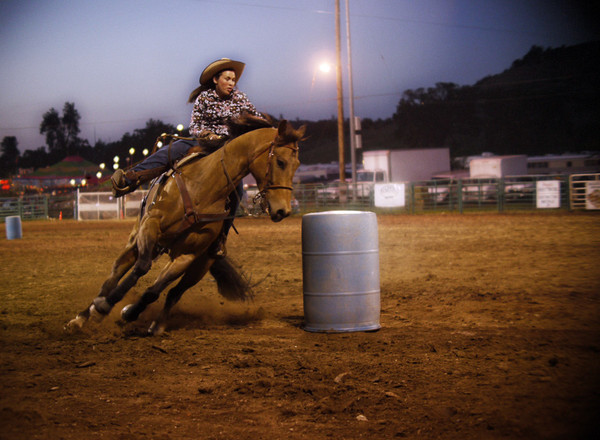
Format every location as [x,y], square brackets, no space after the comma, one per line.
[282,129]
[301,131]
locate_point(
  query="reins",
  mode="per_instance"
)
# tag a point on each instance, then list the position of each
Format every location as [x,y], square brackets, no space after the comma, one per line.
[260,196]
[191,217]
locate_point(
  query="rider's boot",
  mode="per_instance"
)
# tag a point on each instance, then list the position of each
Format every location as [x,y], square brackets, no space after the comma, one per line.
[124,182]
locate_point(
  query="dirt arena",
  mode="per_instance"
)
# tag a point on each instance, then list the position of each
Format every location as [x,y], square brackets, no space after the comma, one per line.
[490,329]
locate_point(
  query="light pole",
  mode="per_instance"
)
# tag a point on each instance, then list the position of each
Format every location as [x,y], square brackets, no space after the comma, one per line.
[351,91]
[340,96]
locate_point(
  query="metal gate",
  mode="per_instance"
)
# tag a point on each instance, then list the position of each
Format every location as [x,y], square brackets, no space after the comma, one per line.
[585,191]
[104,206]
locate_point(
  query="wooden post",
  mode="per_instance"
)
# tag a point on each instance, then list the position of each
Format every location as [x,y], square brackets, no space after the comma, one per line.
[340,99]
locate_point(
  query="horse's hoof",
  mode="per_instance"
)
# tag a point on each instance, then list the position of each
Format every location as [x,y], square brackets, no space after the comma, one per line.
[156,329]
[75,324]
[129,313]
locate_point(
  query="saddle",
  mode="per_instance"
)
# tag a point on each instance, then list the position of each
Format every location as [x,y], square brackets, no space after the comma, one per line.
[190,216]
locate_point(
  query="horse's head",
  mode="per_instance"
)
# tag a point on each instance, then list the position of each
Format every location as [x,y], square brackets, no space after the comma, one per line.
[275,170]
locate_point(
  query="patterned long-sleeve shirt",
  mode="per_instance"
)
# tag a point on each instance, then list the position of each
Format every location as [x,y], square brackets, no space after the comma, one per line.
[211,112]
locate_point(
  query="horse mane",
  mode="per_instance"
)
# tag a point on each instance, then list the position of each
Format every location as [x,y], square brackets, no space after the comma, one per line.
[247,122]
[243,124]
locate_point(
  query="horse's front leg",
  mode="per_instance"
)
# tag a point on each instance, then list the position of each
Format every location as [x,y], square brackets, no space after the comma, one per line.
[146,242]
[121,266]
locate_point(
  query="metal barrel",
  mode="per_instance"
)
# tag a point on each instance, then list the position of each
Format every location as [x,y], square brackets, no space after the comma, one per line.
[13,227]
[340,270]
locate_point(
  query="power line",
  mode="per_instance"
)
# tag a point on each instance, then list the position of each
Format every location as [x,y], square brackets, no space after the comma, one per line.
[381,17]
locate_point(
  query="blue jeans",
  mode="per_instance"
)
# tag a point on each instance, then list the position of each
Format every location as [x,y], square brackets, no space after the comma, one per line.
[165,156]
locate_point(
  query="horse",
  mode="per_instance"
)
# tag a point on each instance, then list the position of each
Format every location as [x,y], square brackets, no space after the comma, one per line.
[185,216]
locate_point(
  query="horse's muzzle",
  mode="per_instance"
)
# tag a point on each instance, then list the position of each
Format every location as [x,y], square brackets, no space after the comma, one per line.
[279,215]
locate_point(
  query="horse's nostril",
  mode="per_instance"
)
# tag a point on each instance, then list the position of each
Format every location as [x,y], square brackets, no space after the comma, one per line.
[279,215]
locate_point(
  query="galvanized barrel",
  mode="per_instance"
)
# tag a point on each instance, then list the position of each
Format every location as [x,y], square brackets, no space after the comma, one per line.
[340,270]
[13,227]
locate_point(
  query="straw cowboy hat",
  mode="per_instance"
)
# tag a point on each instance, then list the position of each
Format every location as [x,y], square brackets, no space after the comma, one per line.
[218,66]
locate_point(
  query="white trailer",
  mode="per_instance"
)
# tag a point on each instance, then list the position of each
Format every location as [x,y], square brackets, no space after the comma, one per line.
[498,166]
[407,165]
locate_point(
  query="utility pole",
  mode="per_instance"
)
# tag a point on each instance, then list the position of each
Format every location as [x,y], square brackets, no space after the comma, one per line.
[340,98]
[351,91]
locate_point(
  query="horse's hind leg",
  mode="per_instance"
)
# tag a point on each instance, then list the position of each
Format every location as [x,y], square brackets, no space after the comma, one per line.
[184,264]
[192,276]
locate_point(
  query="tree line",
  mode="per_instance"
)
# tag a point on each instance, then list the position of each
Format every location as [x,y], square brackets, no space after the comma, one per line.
[62,140]
[546,102]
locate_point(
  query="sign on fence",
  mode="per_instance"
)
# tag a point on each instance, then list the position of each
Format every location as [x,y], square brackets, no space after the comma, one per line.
[390,195]
[548,194]
[592,195]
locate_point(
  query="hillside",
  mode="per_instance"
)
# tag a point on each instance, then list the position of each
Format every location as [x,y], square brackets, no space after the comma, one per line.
[546,102]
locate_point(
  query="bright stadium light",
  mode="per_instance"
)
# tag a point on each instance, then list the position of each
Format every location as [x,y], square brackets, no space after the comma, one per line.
[98,174]
[115,166]
[325,67]
[145,152]
[116,159]
[102,165]
[180,127]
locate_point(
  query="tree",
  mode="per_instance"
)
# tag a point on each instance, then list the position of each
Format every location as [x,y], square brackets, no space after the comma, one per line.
[140,139]
[70,123]
[61,132]
[9,160]
[52,128]
[35,158]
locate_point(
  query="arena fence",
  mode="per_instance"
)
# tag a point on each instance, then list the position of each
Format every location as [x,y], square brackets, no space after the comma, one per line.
[543,192]
[28,208]
[511,193]
[104,206]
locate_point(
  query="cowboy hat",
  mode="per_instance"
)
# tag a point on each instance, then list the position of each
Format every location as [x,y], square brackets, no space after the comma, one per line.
[218,66]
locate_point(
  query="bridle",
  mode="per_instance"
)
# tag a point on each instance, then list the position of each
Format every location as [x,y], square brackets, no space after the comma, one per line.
[191,217]
[260,197]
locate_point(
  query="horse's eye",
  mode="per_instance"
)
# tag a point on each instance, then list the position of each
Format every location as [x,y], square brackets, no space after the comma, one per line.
[280,164]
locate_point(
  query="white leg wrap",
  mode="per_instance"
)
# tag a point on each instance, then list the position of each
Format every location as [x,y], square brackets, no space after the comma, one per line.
[95,315]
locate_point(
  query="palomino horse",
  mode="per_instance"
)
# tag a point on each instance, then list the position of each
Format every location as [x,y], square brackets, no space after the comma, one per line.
[185,219]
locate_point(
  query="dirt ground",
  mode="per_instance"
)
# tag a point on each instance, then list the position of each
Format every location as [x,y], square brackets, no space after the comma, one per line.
[490,329]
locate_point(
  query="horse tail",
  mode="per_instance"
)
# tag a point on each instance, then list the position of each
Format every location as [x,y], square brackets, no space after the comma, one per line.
[232,284]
